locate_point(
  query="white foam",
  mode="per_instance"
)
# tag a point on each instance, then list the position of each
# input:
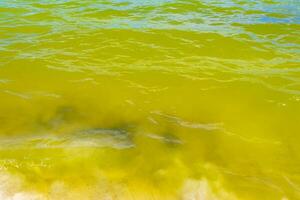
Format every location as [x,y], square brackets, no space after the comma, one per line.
[205,190]
[11,189]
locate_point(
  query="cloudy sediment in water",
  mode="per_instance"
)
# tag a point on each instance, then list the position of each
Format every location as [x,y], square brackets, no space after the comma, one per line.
[163,99]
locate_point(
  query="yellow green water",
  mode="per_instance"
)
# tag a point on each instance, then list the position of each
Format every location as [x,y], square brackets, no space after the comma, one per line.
[161,99]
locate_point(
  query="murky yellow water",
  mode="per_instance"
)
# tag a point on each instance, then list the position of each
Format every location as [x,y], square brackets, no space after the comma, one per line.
[162,99]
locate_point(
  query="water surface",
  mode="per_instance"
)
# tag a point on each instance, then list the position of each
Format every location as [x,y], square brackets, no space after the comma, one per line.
[161,99]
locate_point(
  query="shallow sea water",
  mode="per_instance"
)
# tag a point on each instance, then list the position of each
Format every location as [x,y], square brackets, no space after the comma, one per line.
[161,99]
